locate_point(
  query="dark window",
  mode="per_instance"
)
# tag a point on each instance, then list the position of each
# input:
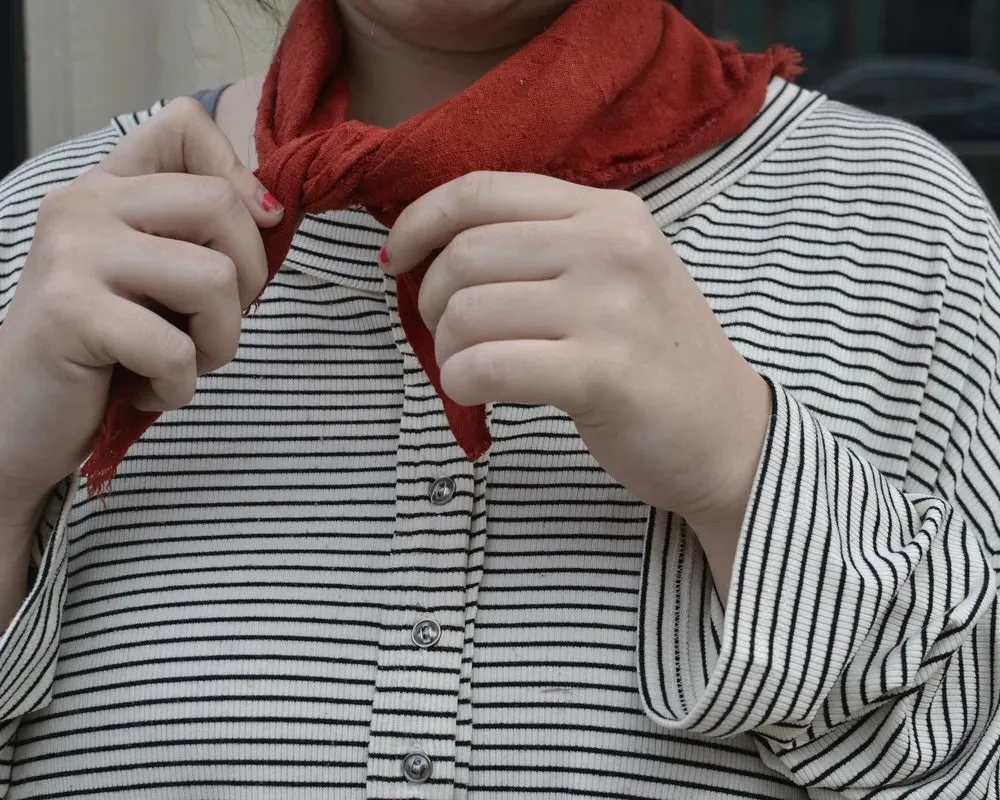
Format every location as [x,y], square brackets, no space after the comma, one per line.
[13,113]
[935,63]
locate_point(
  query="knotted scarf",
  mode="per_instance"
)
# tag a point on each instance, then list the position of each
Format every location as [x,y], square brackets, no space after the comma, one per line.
[613,92]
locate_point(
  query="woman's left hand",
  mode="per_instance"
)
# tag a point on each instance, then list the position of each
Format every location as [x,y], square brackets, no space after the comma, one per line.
[550,293]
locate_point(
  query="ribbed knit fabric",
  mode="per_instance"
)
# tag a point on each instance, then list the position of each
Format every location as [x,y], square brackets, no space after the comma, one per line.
[235,619]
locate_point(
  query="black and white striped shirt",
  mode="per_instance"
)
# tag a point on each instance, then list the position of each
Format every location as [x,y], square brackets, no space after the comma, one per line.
[240,618]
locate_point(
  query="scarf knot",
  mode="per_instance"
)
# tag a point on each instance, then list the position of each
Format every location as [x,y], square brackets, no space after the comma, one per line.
[614,92]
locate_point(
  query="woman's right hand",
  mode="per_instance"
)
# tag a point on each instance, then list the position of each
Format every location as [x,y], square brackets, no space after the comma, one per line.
[170,219]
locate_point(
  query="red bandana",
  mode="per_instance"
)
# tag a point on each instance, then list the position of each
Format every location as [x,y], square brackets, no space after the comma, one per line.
[615,91]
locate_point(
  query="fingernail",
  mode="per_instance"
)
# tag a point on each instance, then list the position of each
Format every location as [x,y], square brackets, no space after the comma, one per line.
[383,256]
[270,203]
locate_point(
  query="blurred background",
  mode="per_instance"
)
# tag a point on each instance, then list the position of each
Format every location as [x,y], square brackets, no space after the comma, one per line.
[933,62]
[71,64]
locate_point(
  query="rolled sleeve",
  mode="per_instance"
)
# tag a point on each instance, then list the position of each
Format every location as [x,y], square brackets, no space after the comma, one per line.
[858,614]
[29,646]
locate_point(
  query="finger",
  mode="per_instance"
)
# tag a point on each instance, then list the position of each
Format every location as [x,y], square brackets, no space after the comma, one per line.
[480,198]
[509,251]
[201,210]
[123,332]
[532,372]
[183,137]
[199,283]
[502,311]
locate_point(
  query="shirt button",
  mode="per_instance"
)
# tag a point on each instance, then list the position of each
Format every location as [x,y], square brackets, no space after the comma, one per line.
[426,633]
[442,491]
[417,767]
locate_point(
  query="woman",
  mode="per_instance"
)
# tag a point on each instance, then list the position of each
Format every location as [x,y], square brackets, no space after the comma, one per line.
[736,548]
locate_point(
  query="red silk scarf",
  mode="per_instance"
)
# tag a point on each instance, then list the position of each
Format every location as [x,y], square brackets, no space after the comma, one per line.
[613,92]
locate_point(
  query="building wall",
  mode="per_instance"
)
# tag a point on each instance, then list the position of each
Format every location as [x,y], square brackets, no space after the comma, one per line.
[91,59]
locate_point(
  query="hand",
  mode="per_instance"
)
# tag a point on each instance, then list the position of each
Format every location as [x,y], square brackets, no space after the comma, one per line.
[547,292]
[170,219]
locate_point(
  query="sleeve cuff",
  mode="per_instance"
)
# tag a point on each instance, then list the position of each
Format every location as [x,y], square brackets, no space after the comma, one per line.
[816,563]
[29,645]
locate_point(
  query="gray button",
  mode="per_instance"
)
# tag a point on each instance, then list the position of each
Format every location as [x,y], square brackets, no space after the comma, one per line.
[426,633]
[417,767]
[442,491]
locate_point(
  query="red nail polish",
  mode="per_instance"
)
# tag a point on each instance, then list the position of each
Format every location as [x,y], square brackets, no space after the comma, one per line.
[383,256]
[270,203]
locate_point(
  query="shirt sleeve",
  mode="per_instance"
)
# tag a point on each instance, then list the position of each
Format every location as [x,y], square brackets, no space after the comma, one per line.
[29,645]
[860,644]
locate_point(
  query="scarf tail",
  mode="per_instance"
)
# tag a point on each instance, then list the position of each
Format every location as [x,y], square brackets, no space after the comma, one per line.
[123,425]
[467,423]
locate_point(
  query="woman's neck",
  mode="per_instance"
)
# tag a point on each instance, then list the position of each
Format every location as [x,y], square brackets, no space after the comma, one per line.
[391,79]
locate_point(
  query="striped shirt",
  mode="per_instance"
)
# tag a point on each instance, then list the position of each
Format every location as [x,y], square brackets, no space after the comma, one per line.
[300,588]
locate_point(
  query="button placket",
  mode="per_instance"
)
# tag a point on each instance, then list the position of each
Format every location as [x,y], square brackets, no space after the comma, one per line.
[414,733]
[415,710]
